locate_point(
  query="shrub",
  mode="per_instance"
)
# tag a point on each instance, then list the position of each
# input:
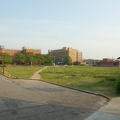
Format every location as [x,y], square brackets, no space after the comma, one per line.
[118,85]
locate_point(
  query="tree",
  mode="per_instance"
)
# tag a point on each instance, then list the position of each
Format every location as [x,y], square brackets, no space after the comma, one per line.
[20,58]
[29,58]
[67,60]
[118,85]
[7,58]
[39,59]
[48,59]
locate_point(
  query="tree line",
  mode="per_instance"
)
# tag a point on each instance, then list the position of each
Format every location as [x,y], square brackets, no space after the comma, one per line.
[27,59]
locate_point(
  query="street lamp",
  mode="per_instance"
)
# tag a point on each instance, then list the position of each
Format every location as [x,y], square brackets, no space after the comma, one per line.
[1,56]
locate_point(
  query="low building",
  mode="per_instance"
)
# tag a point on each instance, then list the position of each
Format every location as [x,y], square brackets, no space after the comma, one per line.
[25,49]
[34,51]
[108,62]
[60,54]
[13,52]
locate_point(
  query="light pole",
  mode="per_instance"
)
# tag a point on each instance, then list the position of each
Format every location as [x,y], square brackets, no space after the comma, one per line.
[1,55]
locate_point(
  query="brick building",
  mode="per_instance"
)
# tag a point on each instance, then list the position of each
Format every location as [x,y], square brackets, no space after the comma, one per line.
[34,51]
[108,62]
[25,49]
[59,54]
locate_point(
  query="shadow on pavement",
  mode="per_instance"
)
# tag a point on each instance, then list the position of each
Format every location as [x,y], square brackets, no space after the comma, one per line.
[13,109]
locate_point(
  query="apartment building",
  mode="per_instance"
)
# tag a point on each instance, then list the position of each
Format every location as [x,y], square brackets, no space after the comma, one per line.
[60,54]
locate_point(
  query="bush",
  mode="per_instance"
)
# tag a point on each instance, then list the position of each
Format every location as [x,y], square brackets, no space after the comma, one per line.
[118,85]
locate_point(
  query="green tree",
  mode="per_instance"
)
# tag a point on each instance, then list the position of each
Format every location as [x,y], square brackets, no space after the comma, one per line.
[118,85]
[20,58]
[48,59]
[29,58]
[67,60]
[7,58]
[39,59]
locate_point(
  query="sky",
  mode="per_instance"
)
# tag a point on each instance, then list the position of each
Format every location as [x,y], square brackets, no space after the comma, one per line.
[91,26]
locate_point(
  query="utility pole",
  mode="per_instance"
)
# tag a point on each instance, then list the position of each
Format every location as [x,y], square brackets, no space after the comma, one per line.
[1,56]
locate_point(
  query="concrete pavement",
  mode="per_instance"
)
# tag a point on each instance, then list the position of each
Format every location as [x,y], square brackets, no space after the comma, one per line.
[111,111]
[35,100]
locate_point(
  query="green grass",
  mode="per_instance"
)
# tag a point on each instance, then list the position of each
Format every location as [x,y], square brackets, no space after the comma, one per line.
[95,79]
[21,71]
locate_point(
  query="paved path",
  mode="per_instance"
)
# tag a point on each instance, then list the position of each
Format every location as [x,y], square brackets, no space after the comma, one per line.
[37,75]
[35,100]
[111,111]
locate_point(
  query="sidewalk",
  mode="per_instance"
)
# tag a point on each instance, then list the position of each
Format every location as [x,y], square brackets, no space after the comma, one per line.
[111,111]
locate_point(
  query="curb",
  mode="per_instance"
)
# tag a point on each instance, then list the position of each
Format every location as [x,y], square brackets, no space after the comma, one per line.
[85,91]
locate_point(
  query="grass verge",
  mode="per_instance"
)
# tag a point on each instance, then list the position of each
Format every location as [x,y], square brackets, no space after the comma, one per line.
[21,71]
[100,80]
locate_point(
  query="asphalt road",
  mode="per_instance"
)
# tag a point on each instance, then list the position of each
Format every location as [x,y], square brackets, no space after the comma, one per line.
[36,100]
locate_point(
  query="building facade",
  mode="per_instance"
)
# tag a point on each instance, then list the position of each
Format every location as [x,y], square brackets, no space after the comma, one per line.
[13,52]
[108,62]
[60,54]
[34,51]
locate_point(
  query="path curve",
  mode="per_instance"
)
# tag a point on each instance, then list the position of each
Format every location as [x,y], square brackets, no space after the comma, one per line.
[37,75]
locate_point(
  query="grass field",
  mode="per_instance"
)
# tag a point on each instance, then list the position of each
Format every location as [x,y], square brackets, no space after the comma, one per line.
[21,71]
[95,79]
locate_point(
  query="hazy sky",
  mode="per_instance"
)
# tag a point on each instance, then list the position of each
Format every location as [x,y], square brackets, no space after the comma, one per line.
[91,26]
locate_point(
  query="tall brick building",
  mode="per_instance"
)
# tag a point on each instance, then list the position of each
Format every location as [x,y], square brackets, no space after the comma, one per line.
[59,54]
